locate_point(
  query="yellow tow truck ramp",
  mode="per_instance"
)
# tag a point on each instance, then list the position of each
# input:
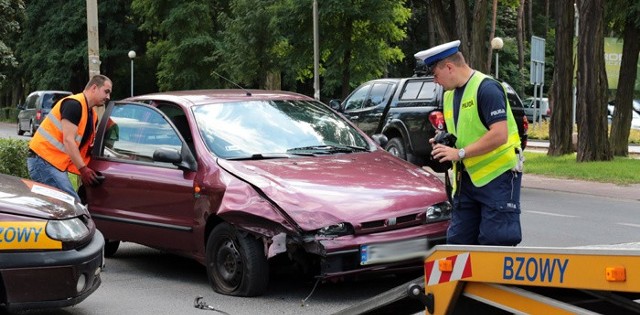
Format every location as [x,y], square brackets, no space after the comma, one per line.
[458,279]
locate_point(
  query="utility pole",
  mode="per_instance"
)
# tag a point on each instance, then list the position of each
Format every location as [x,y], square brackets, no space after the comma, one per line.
[92,38]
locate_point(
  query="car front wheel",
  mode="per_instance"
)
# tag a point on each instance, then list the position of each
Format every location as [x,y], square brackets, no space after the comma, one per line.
[110,247]
[395,146]
[236,263]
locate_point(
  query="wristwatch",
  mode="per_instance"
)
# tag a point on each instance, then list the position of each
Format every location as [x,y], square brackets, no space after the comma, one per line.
[461,154]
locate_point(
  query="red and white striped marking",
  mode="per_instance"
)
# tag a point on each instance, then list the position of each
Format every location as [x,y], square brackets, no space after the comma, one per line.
[461,269]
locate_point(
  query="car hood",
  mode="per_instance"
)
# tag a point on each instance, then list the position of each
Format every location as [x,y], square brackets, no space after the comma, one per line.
[324,190]
[24,197]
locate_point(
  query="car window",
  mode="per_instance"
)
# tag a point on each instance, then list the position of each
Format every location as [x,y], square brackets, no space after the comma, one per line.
[50,99]
[30,103]
[418,90]
[135,131]
[379,94]
[356,101]
[251,128]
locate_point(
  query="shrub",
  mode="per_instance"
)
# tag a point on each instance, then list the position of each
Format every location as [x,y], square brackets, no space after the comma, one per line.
[13,154]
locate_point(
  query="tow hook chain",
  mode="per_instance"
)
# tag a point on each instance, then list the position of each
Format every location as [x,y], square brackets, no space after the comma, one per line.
[199,303]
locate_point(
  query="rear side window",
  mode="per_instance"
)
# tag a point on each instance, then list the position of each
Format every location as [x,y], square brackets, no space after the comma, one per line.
[418,90]
[50,99]
[31,101]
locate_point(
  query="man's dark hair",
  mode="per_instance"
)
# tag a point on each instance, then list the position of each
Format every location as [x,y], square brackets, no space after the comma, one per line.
[98,80]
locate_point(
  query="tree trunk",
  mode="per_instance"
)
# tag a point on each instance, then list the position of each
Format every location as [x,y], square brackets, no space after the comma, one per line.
[529,19]
[560,95]
[346,60]
[462,27]
[621,123]
[479,36]
[439,18]
[494,15]
[593,144]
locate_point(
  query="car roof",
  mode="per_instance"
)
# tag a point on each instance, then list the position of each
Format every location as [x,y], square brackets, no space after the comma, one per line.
[50,91]
[199,97]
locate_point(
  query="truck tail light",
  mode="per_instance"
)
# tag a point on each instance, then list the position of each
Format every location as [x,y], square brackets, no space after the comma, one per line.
[437,120]
[38,114]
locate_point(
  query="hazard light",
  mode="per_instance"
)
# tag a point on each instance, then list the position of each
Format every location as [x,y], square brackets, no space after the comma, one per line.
[616,274]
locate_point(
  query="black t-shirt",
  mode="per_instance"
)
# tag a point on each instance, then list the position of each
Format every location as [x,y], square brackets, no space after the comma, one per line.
[71,110]
[492,106]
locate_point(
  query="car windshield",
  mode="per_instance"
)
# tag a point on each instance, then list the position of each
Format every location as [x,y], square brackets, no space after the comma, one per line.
[274,129]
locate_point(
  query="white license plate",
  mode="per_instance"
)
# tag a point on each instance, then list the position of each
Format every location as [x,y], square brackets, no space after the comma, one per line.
[393,251]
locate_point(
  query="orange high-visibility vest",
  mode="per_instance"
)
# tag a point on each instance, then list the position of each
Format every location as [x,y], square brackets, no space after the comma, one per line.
[47,142]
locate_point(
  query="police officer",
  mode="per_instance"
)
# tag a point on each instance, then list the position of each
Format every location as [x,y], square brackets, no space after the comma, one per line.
[63,141]
[487,168]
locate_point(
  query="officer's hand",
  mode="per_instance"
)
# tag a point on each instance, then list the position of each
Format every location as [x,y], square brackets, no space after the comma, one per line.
[89,177]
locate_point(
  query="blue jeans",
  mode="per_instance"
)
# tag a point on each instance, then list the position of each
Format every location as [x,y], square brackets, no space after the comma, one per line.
[488,215]
[43,172]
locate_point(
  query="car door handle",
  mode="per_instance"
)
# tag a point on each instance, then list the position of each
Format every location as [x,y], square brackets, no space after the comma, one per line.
[354,117]
[377,115]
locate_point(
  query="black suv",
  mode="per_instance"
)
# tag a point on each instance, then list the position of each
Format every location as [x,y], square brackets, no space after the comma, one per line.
[400,108]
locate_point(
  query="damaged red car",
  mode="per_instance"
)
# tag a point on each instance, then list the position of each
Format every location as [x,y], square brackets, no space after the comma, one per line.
[236,179]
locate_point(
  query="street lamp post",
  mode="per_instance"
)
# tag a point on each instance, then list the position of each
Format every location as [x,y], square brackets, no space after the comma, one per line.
[132,55]
[497,44]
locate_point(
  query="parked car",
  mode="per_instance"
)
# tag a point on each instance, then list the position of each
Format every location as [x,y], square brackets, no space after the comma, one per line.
[243,181]
[50,250]
[35,108]
[635,115]
[399,108]
[542,109]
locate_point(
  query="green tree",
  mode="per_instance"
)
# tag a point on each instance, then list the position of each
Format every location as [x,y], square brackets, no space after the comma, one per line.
[250,46]
[358,40]
[11,12]
[591,84]
[181,41]
[560,131]
[626,21]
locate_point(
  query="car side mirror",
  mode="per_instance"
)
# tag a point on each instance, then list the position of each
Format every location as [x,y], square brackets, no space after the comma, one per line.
[167,155]
[21,106]
[380,139]
[335,105]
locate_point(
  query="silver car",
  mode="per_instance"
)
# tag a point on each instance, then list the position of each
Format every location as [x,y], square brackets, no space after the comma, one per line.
[36,108]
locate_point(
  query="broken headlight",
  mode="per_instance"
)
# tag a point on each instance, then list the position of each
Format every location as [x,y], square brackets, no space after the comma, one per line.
[339,229]
[438,212]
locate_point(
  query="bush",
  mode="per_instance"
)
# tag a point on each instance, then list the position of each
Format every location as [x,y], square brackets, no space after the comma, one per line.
[13,154]
[9,114]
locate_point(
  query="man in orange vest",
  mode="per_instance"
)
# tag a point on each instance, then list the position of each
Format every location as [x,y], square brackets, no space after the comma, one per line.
[63,141]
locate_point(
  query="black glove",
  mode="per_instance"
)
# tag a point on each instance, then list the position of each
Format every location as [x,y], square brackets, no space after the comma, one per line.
[89,177]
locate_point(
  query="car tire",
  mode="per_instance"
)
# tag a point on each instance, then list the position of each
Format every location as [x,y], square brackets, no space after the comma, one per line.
[20,131]
[32,128]
[395,146]
[236,263]
[110,247]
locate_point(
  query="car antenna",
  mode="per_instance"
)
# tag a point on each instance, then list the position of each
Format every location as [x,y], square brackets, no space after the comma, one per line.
[238,86]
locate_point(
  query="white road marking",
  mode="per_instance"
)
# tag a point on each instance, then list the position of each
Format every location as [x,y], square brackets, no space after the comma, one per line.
[553,214]
[630,224]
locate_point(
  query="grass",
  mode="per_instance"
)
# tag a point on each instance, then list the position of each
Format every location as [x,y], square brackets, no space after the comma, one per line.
[620,171]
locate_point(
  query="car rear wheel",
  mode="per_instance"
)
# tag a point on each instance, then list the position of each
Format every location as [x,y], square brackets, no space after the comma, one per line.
[32,128]
[236,264]
[110,247]
[20,131]
[395,146]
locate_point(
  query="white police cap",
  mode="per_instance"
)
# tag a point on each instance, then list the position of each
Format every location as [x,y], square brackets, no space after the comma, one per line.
[435,54]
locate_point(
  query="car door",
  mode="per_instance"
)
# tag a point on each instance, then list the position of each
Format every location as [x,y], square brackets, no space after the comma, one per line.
[366,106]
[141,200]
[26,116]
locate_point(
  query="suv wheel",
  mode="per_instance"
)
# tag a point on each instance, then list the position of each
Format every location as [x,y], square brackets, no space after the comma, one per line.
[32,128]
[20,131]
[236,263]
[395,146]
